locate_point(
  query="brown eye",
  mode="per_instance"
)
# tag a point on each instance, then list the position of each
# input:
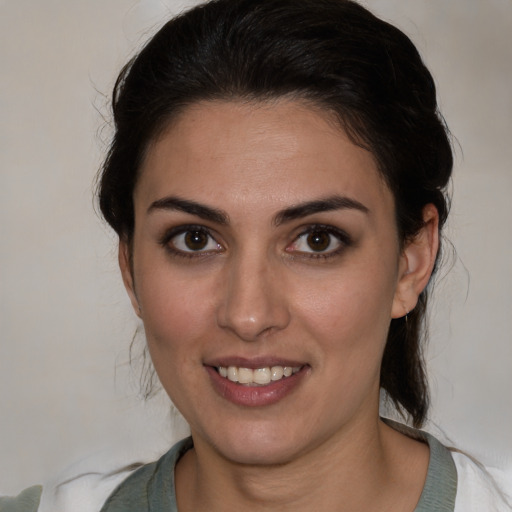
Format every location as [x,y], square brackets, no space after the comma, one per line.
[319,241]
[192,240]
[196,240]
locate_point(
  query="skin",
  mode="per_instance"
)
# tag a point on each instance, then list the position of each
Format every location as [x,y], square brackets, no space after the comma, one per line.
[258,289]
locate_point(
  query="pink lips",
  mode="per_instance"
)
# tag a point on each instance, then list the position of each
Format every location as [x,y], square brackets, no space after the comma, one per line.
[255,396]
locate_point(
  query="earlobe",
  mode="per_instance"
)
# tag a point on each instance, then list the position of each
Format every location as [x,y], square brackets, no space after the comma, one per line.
[124,257]
[417,263]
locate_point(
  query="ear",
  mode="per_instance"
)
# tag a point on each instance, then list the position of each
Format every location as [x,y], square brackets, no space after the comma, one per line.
[417,263]
[125,265]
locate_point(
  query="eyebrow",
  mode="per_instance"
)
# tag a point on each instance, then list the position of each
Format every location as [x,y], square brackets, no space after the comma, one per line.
[173,203]
[321,205]
[299,211]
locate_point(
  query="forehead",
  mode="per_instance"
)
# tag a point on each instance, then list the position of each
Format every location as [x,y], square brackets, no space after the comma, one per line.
[247,154]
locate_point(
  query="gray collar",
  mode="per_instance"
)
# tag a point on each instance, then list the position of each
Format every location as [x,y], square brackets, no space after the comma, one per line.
[440,487]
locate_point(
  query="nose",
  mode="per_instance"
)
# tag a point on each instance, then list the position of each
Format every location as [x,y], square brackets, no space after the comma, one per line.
[253,302]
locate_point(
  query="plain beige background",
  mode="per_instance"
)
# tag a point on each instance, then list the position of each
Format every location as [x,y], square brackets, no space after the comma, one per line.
[66,390]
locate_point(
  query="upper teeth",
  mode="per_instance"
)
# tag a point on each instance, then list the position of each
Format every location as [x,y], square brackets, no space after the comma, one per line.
[258,375]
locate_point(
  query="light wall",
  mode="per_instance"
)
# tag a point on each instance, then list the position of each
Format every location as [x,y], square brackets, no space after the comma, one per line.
[66,390]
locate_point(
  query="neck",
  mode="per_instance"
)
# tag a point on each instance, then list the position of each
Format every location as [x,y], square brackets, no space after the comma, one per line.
[360,468]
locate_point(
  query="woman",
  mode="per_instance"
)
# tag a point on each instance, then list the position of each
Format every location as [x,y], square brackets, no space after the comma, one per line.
[277,181]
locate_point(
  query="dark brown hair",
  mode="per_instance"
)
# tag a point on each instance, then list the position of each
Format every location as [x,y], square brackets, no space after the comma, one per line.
[332,53]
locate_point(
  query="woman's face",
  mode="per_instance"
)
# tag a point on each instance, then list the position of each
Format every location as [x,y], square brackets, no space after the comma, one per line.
[265,240]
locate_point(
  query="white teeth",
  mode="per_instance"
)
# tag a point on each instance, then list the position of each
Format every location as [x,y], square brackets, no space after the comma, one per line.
[258,376]
[261,376]
[233,373]
[245,375]
[277,372]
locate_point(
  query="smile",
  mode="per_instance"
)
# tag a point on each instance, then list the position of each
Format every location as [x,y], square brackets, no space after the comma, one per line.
[257,376]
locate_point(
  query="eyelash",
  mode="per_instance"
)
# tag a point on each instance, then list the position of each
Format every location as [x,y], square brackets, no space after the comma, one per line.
[341,236]
[166,240]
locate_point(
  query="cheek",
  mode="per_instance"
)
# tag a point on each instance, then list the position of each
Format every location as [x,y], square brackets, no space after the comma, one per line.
[177,318]
[350,312]
[348,299]
[176,309]
[349,321]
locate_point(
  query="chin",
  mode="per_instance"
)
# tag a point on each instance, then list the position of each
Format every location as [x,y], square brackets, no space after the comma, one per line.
[260,455]
[259,445]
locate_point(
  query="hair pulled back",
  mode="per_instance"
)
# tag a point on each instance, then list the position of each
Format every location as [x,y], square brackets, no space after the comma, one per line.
[332,53]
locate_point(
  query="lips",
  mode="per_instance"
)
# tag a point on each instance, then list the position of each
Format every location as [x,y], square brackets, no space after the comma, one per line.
[256,382]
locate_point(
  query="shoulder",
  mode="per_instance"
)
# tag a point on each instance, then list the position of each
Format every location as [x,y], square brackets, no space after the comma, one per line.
[84,492]
[480,487]
[151,487]
[76,490]
[82,489]
[470,485]
[26,501]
